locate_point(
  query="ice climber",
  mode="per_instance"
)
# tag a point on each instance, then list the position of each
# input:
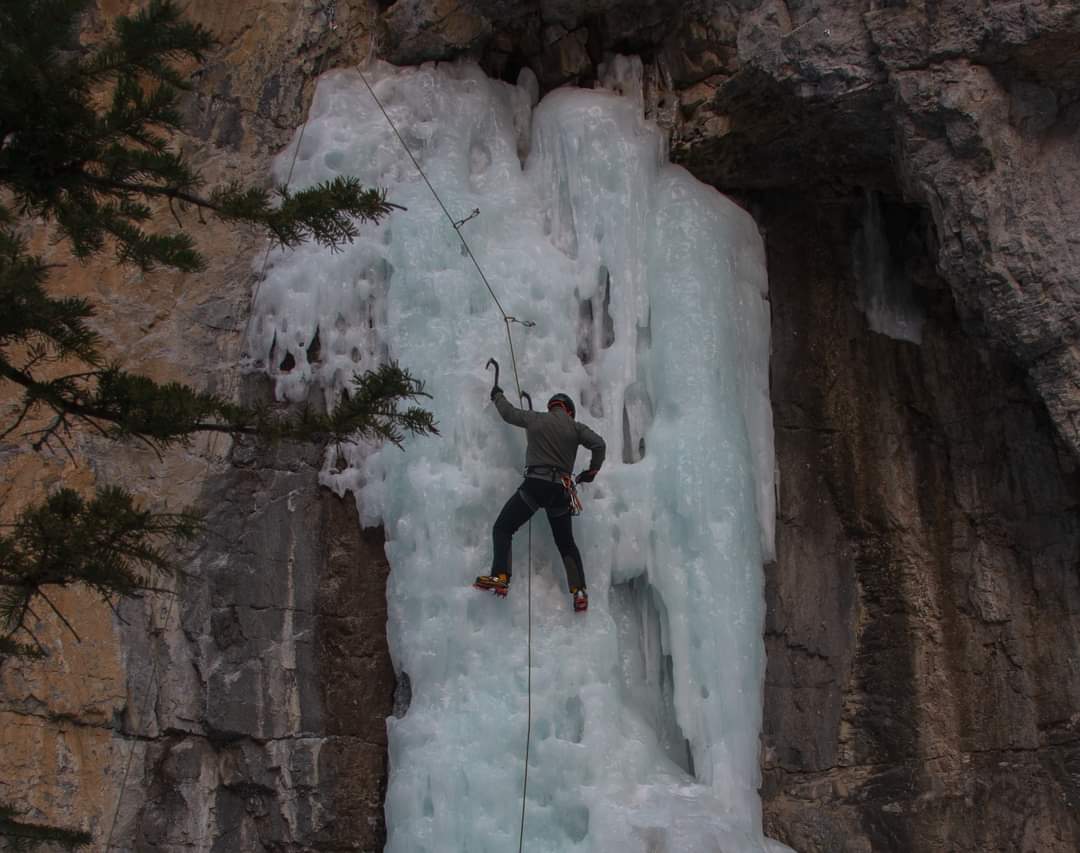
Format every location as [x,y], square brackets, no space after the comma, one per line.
[553,440]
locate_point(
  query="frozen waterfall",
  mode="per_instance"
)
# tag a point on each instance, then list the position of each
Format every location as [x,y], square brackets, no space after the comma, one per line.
[648,291]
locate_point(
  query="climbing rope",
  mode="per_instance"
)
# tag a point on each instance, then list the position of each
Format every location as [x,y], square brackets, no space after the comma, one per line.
[528,693]
[288,180]
[456,225]
[507,321]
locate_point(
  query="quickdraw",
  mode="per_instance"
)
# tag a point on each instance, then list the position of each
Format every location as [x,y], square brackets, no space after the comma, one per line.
[571,492]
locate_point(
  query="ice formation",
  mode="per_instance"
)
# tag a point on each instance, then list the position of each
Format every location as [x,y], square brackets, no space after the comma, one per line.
[648,291]
[884,293]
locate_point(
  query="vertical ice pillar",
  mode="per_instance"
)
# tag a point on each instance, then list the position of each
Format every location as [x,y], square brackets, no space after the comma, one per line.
[647,290]
[706,282]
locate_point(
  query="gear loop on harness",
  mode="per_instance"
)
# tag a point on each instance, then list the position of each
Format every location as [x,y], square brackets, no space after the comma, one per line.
[571,493]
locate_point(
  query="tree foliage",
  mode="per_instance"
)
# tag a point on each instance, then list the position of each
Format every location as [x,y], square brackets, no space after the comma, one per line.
[107,543]
[85,147]
[95,169]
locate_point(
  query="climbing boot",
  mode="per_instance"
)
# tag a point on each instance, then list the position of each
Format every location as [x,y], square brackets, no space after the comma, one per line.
[497,584]
[581,600]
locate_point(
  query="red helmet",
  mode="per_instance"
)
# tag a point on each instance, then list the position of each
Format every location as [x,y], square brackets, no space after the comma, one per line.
[564,401]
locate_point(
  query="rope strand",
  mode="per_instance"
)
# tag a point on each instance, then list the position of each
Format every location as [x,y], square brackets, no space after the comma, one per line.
[507,320]
[528,715]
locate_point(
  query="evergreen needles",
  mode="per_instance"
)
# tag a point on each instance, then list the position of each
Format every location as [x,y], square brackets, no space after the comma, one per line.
[85,146]
[106,543]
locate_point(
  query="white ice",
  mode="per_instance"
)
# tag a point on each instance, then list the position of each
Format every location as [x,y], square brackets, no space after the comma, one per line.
[648,291]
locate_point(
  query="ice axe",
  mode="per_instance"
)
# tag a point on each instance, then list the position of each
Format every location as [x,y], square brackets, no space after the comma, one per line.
[493,363]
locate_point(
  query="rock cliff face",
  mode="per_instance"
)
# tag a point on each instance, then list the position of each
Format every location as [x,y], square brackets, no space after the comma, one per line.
[905,160]
[247,711]
[922,688]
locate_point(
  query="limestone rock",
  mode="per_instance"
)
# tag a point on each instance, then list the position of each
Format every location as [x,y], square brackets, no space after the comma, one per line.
[921,693]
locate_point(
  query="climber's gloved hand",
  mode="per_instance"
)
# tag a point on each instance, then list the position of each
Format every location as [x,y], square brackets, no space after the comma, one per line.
[495,391]
[587,476]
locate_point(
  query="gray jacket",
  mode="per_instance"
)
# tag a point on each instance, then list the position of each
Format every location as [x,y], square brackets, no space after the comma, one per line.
[553,437]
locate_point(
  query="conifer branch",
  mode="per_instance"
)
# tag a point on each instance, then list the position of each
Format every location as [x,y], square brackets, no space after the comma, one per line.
[118,404]
[13,648]
[106,543]
[91,171]
[85,144]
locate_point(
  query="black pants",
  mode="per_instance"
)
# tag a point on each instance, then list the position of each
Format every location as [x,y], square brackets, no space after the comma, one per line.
[532,495]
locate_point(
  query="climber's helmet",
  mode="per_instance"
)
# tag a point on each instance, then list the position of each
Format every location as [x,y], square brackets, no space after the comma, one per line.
[564,401]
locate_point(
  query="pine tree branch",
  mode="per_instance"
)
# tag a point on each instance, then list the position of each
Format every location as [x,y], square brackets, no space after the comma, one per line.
[85,143]
[112,185]
[28,404]
[160,415]
[59,615]
[13,648]
[56,328]
[144,40]
[49,433]
[68,406]
[67,159]
[324,212]
[106,543]
[26,630]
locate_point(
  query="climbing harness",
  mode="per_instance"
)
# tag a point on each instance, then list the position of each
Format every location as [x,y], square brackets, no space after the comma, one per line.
[554,475]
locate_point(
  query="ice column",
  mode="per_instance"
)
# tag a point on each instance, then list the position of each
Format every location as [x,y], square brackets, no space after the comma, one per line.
[648,292]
